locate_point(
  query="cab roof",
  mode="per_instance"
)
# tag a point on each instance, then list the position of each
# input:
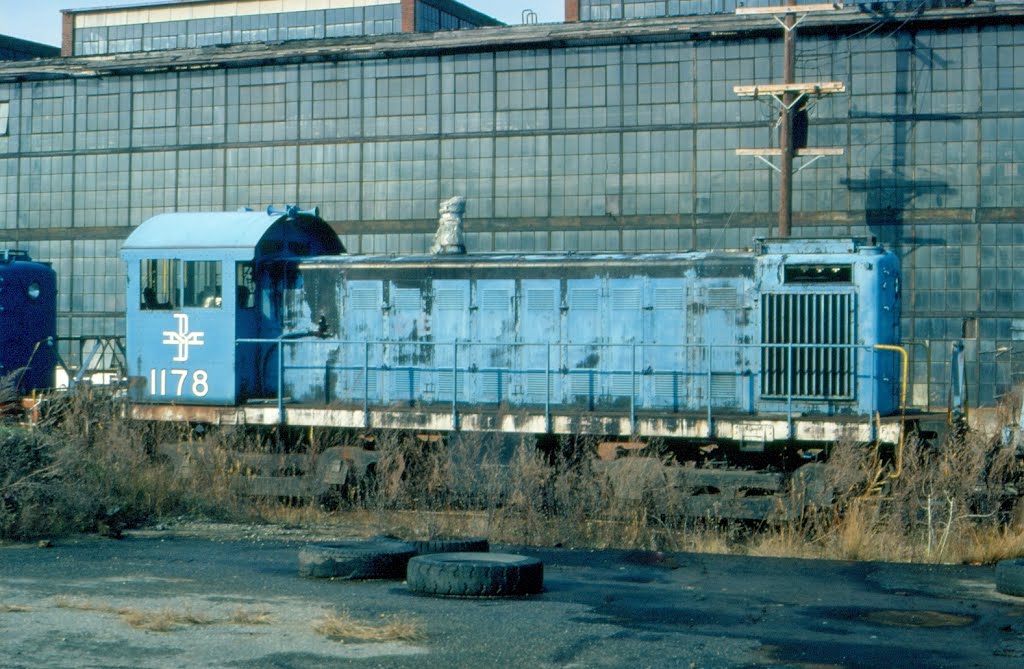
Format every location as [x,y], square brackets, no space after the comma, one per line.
[238,234]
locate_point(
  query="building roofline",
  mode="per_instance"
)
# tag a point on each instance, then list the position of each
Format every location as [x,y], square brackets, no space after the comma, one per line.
[461,9]
[504,38]
[27,46]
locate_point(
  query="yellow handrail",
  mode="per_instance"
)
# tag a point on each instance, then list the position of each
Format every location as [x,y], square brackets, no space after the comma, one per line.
[903,403]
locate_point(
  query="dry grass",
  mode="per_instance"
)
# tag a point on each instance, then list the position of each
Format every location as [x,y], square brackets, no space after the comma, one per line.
[342,626]
[162,620]
[243,616]
[946,505]
[14,608]
[86,469]
[165,619]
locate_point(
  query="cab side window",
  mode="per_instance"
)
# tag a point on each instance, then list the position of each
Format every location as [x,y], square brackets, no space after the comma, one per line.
[202,284]
[159,284]
[245,286]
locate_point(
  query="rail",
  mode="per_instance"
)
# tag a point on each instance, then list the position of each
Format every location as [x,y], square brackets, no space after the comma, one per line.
[715,377]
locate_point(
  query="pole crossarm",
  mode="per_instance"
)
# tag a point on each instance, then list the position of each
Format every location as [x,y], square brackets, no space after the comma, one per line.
[814,153]
[778,91]
[810,151]
[802,11]
[791,9]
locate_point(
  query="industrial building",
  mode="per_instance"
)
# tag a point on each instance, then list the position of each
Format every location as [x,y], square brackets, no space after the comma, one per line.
[615,131]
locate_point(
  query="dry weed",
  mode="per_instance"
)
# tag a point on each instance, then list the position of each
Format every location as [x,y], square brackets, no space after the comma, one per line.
[88,469]
[243,616]
[14,608]
[342,626]
[162,620]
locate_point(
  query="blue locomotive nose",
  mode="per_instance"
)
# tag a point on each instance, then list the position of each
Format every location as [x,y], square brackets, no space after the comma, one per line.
[28,321]
[200,283]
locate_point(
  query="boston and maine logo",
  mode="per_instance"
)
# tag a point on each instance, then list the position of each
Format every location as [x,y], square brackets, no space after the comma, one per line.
[182,338]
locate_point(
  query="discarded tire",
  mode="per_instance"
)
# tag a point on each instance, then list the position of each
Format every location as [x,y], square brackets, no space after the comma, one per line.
[1010,577]
[452,545]
[475,575]
[372,558]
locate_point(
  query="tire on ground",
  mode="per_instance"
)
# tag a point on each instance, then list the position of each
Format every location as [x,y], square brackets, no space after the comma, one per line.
[371,558]
[1010,577]
[475,575]
[452,545]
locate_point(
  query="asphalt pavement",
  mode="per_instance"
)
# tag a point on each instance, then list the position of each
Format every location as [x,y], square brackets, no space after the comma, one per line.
[59,608]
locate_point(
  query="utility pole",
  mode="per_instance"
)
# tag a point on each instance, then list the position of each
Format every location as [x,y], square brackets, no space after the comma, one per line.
[791,97]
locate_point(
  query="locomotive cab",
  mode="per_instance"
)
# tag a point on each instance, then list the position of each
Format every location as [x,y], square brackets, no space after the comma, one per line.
[200,282]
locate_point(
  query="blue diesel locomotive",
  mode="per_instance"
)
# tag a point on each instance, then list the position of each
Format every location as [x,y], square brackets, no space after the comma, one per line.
[260,318]
[28,323]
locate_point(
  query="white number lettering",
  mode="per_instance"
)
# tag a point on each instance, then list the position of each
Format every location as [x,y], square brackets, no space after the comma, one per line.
[199,386]
[182,374]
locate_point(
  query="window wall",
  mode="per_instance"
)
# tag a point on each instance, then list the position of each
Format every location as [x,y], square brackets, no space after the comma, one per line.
[95,40]
[619,147]
[610,10]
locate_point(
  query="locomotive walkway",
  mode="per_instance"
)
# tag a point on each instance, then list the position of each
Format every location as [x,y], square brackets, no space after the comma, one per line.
[600,609]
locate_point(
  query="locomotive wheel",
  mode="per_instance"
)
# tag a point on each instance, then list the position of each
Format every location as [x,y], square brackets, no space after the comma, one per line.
[1010,577]
[452,545]
[378,557]
[475,575]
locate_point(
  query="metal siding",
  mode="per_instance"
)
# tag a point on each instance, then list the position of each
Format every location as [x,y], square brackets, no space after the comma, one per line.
[667,335]
[404,325]
[539,325]
[362,321]
[626,332]
[583,333]
[449,324]
[493,333]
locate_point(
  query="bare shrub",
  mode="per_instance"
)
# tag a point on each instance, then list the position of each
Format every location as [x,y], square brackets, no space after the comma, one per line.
[86,468]
[943,504]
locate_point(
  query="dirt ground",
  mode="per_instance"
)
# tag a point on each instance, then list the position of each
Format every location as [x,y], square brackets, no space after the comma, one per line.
[230,596]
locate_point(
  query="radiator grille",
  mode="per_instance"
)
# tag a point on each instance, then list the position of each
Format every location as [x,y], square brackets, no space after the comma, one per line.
[808,352]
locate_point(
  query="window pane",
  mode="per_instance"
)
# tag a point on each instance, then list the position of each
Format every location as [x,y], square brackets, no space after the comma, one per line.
[159,284]
[202,284]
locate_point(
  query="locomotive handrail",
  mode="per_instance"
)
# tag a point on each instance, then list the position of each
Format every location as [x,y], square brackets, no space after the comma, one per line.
[903,403]
[751,369]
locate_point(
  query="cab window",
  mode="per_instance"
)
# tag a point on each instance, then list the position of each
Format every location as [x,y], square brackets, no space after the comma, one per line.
[202,284]
[245,286]
[159,284]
